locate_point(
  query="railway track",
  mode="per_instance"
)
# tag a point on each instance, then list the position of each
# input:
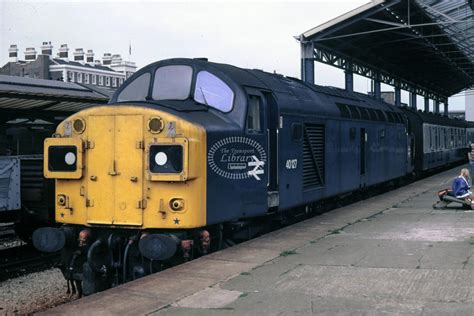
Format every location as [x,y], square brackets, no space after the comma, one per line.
[24,259]
[7,231]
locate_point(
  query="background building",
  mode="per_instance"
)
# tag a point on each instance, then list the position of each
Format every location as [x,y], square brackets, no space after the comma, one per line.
[109,73]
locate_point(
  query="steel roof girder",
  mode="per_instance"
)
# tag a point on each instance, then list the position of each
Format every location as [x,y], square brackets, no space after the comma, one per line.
[327,57]
[340,26]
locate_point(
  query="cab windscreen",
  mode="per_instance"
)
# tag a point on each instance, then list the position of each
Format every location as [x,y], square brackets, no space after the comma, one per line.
[166,159]
[62,158]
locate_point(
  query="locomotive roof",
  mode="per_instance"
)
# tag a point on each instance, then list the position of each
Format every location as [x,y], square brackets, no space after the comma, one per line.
[293,95]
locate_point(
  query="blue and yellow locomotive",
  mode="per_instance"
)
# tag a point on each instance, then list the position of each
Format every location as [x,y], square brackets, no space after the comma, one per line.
[189,153]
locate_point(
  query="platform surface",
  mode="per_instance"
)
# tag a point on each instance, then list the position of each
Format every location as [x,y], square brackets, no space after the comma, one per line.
[390,254]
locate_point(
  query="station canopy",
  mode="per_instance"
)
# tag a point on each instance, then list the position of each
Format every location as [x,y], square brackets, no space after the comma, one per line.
[22,97]
[423,46]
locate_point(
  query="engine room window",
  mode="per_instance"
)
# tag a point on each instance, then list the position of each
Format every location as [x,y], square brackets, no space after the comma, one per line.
[137,90]
[213,92]
[172,83]
[254,124]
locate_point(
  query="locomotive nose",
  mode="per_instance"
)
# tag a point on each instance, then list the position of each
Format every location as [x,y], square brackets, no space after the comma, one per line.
[120,165]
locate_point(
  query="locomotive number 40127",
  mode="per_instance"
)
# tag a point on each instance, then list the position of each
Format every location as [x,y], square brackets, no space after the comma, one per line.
[291,163]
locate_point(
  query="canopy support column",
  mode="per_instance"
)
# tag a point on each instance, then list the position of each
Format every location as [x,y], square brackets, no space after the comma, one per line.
[377,87]
[413,100]
[349,80]
[307,62]
[398,95]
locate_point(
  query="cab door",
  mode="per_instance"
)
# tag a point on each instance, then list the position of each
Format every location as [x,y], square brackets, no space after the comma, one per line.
[115,170]
[99,157]
[262,123]
[129,202]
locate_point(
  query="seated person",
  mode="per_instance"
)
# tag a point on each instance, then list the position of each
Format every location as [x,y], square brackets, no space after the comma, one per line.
[461,186]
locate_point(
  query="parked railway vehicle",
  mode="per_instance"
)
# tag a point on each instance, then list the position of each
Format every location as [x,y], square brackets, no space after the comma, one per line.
[30,110]
[189,153]
[26,197]
[439,140]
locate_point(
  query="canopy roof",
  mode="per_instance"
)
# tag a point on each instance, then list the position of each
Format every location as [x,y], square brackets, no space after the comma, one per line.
[425,46]
[22,97]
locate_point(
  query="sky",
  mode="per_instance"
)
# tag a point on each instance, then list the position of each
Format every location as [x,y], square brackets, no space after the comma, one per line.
[251,34]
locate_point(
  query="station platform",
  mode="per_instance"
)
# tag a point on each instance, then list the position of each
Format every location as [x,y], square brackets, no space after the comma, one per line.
[390,254]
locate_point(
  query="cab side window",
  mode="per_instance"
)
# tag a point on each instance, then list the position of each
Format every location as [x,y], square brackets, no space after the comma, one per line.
[136,90]
[254,117]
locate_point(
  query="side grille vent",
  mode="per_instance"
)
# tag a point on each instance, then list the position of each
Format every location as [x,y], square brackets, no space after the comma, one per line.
[313,156]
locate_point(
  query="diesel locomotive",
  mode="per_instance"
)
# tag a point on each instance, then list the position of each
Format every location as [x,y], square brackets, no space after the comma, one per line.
[190,153]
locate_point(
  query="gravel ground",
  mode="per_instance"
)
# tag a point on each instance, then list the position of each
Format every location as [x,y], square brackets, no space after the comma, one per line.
[33,293]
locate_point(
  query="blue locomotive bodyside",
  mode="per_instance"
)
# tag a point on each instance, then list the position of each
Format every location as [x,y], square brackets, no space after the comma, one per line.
[284,143]
[311,143]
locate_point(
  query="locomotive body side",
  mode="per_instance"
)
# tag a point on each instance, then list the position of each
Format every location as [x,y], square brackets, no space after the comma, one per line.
[334,142]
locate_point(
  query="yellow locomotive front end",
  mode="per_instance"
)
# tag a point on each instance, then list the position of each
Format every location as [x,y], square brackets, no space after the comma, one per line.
[129,167]
[130,193]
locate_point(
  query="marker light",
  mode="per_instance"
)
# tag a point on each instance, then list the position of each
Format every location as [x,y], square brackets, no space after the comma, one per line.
[155,125]
[161,158]
[70,158]
[79,125]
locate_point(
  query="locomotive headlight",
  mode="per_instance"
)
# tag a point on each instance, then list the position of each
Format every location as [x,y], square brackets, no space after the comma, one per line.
[166,158]
[62,158]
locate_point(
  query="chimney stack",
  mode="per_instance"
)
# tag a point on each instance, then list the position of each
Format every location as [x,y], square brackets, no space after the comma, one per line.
[47,49]
[30,54]
[13,53]
[116,59]
[107,59]
[63,52]
[90,56]
[79,55]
